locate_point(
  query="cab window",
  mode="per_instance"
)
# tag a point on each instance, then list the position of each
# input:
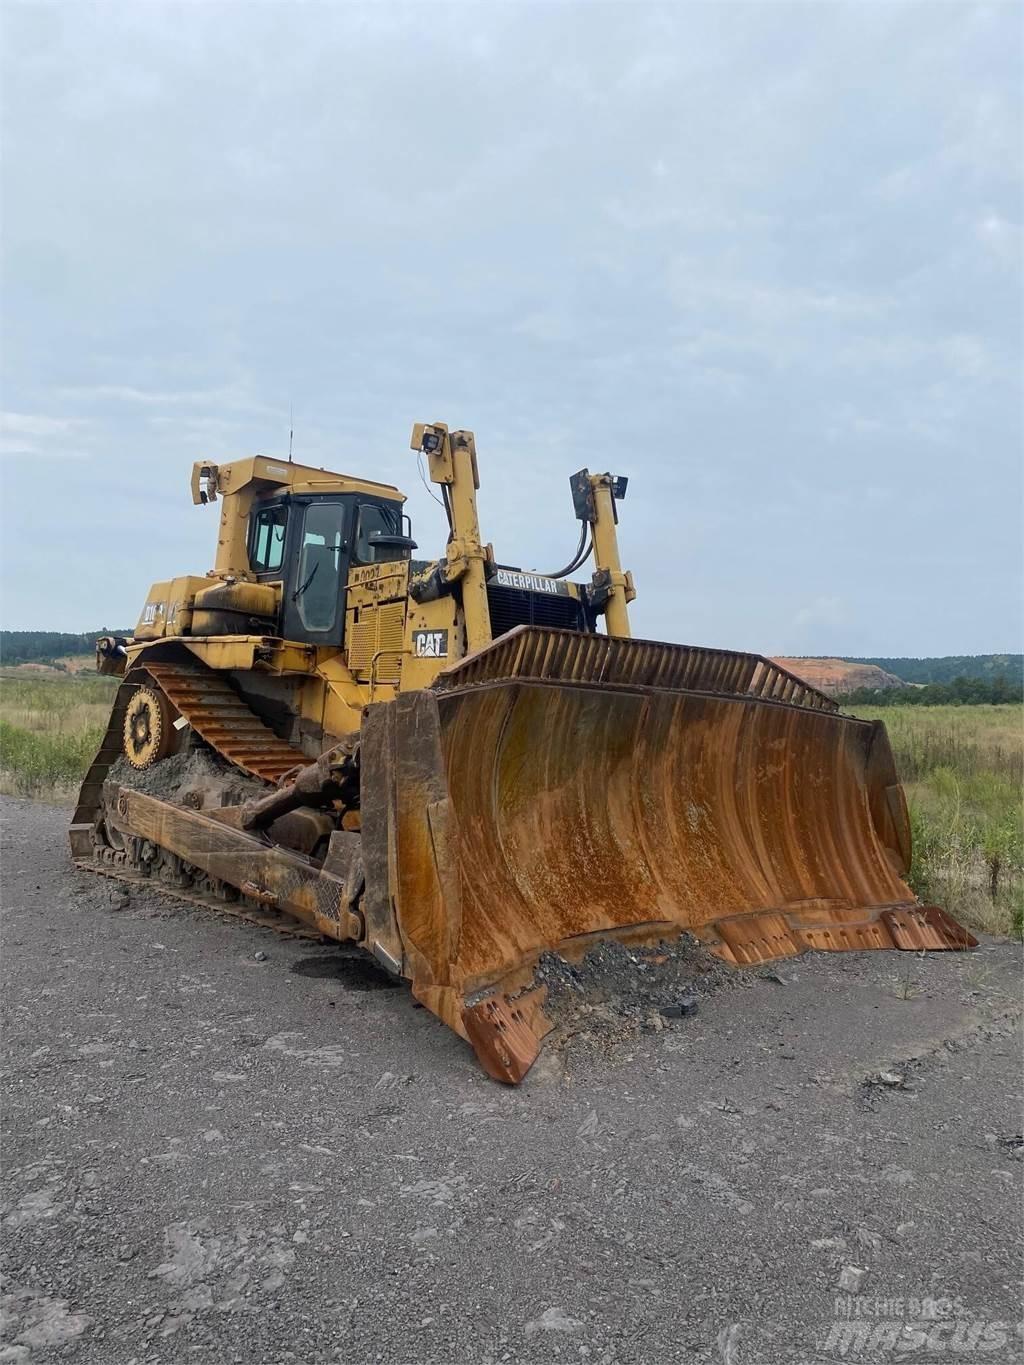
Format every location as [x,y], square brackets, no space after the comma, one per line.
[318,589]
[372,519]
[268,539]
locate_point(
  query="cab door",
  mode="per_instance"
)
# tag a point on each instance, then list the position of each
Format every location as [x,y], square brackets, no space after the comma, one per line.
[317,558]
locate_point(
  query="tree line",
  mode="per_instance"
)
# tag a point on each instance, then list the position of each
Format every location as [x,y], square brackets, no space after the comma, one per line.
[43,646]
[951,668]
[962,691]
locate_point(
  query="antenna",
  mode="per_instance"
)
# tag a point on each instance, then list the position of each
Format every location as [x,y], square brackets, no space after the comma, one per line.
[291,431]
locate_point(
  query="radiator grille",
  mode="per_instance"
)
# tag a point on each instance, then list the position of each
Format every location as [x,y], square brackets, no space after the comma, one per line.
[380,632]
[510,607]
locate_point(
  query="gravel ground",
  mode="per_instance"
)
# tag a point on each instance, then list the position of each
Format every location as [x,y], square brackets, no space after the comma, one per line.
[213,1157]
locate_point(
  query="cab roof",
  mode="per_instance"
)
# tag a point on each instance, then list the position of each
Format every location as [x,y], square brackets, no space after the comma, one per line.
[270,474]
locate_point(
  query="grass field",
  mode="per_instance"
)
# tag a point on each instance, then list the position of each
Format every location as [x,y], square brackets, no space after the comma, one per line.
[963,767]
[50,729]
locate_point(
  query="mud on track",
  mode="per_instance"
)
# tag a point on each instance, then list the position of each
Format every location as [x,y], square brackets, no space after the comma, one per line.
[210,1157]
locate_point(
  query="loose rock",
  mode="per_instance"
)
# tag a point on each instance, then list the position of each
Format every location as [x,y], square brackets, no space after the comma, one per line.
[851,1277]
[775,977]
[553,1320]
[681,1009]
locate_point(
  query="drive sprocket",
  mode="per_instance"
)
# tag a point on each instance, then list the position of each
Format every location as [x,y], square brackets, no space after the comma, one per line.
[148,733]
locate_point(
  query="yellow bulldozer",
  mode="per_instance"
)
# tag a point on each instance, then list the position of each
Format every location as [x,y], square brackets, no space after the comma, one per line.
[447,762]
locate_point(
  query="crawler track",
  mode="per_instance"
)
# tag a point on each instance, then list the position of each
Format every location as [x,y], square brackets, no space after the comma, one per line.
[216,713]
[219,716]
[198,892]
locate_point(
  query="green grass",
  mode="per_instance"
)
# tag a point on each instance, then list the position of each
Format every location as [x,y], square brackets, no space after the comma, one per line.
[963,770]
[50,730]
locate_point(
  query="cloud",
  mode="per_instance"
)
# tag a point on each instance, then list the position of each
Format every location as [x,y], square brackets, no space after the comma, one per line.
[765,304]
[42,436]
[822,611]
[549,325]
[762,259]
[33,424]
[228,396]
[1001,238]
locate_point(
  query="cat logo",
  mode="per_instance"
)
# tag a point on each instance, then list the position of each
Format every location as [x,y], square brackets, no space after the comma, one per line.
[430,644]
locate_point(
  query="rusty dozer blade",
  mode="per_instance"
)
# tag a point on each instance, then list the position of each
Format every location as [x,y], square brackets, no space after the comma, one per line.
[556,788]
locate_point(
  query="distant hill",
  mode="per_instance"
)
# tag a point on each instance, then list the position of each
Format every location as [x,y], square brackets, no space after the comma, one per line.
[947,667]
[838,677]
[48,646]
[956,679]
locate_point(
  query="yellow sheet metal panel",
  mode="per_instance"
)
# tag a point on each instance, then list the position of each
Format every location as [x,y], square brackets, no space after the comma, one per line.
[252,599]
[385,582]
[333,698]
[233,477]
[434,640]
[223,654]
[375,610]
[169,606]
[152,622]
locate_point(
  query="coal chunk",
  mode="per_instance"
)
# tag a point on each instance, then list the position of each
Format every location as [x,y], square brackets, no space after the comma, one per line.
[684,1006]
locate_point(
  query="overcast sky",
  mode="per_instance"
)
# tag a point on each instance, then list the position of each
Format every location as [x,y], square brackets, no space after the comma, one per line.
[763,258]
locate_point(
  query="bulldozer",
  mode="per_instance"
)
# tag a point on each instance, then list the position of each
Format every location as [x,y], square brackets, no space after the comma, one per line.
[460,765]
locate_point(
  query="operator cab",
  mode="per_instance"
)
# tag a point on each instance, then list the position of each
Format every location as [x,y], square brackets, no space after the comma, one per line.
[309,542]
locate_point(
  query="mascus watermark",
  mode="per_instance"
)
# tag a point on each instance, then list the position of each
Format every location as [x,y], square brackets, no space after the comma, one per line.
[876,1327]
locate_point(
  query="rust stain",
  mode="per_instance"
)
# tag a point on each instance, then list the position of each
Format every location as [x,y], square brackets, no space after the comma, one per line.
[579,811]
[927,926]
[506,1035]
[575,812]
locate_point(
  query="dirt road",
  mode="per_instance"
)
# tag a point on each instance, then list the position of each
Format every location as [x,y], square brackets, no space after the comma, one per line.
[213,1157]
